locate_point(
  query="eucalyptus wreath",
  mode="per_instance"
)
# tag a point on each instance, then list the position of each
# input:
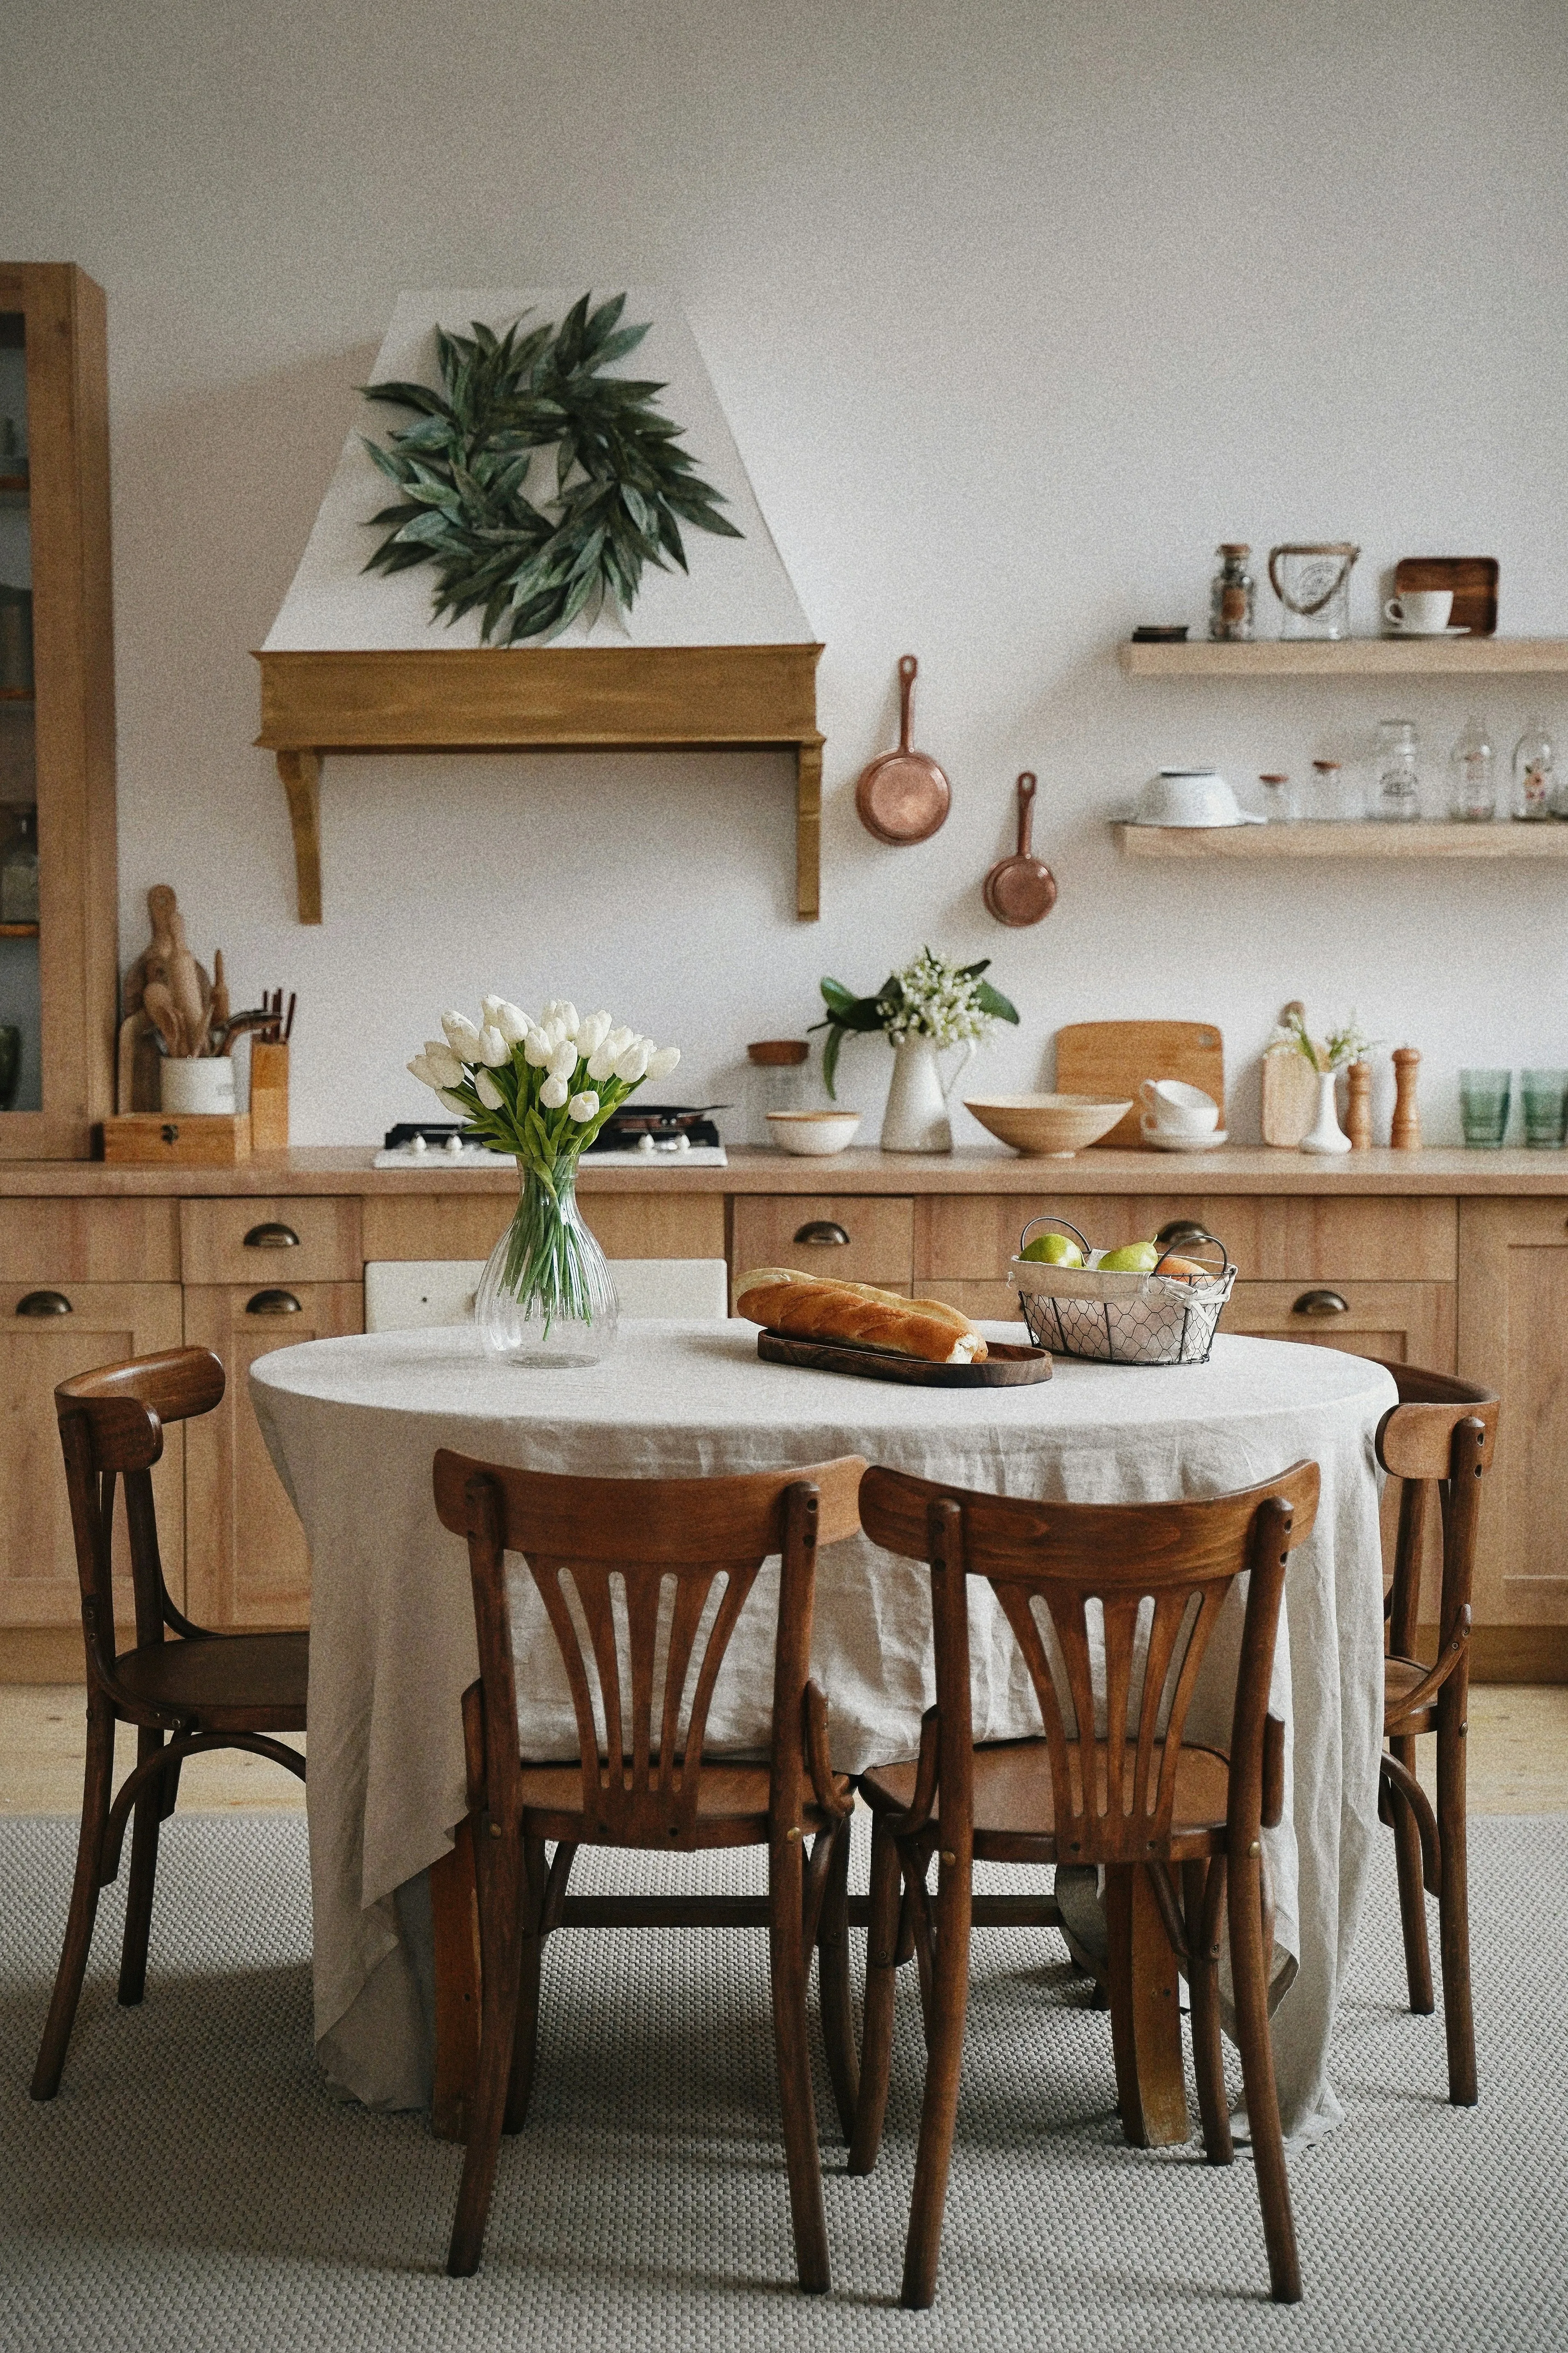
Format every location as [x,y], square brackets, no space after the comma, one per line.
[622,487]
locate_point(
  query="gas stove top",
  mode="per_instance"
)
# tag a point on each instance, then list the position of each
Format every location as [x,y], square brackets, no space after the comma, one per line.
[655,1135]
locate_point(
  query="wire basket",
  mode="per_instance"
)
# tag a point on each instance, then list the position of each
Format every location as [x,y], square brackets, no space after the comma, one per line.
[1121,1319]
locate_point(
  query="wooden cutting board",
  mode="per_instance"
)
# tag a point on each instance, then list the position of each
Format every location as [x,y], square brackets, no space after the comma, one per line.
[1113,1059]
[1289,1092]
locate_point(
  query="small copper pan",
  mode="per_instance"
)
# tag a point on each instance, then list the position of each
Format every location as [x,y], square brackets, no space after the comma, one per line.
[903,797]
[1021,889]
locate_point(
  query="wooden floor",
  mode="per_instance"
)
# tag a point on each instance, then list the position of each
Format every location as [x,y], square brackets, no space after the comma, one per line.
[1519,1756]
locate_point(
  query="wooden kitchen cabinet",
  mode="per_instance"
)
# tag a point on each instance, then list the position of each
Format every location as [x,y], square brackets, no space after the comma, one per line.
[1514,1337]
[970,1237]
[247,1565]
[626,1224]
[1402,1323]
[101,1321]
[851,1238]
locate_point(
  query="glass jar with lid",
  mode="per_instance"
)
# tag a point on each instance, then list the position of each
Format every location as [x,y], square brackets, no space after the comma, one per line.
[1398,798]
[1534,774]
[1472,779]
[1234,594]
[777,1082]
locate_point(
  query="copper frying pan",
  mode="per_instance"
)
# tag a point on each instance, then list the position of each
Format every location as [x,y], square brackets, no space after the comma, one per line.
[903,797]
[1021,889]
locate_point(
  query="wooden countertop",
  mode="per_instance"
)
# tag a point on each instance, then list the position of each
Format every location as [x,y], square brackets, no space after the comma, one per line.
[317,1170]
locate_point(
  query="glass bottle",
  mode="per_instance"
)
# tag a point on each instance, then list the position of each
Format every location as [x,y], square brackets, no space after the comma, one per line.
[1533,776]
[19,872]
[1279,800]
[1398,784]
[1472,781]
[1234,594]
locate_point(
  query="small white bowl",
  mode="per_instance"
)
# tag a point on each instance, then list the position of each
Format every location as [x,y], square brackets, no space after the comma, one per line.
[814,1134]
[1195,797]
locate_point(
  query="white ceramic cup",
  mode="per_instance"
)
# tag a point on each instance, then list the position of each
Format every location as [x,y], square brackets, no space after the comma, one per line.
[1178,1110]
[195,1085]
[1421,612]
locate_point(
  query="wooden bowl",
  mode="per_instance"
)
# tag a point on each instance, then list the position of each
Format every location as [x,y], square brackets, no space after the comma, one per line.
[1046,1127]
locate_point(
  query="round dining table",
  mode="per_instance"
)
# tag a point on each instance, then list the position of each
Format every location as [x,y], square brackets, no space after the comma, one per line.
[353,1424]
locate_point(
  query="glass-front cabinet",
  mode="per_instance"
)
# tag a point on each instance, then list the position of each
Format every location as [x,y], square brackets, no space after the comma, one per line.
[58,881]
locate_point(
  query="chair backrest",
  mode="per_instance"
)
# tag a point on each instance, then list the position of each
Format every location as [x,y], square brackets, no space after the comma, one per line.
[413,1294]
[1113,1606]
[112,1426]
[1442,1434]
[643,1580]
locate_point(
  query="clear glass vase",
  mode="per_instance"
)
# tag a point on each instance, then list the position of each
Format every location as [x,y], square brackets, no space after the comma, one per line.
[546,1297]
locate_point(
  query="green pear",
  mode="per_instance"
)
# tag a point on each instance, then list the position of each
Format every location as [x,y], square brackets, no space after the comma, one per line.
[1133,1257]
[1053,1249]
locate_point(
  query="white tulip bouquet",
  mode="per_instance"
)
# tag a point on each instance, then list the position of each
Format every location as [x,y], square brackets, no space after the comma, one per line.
[541,1091]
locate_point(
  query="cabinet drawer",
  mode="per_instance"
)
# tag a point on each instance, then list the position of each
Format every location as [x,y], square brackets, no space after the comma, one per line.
[1404,1322]
[467,1226]
[259,1241]
[65,1240]
[969,1238]
[860,1238]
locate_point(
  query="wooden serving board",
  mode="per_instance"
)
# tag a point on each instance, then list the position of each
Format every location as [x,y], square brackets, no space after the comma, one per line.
[1289,1090]
[1472,578]
[1004,1367]
[1113,1059]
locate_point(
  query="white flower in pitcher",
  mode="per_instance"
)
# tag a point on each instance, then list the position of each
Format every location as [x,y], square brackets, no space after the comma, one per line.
[537,1049]
[488,1093]
[662,1062]
[584,1107]
[494,1051]
[592,1033]
[553,1093]
[632,1066]
[462,1036]
[563,1061]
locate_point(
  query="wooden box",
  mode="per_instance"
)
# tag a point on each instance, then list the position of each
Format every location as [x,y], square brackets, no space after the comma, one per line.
[183,1139]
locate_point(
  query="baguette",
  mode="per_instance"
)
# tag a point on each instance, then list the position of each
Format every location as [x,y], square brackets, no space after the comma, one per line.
[803,1307]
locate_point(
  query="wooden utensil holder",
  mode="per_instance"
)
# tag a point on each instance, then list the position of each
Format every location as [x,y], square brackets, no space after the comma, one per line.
[268,1097]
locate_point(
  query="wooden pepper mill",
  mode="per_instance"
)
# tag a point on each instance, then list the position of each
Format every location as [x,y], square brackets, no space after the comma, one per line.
[1358,1109]
[1406,1134]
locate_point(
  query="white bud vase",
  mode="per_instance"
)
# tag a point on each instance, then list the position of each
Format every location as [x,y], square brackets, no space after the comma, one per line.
[916,1118]
[1325,1134]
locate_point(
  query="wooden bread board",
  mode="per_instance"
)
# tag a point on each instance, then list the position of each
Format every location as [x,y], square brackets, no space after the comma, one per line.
[1004,1366]
[183,1139]
[1289,1090]
[1113,1059]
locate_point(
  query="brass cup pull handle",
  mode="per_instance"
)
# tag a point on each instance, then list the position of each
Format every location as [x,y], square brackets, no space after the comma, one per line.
[271,1237]
[1181,1233]
[272,1303]
[44,1303]
[823,1231]
[1320,1302]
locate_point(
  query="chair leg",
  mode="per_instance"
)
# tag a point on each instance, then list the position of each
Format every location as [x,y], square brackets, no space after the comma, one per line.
[881,1981]
[786,1941]
[1453,1899]
[1411,1894]
[1249,1979]
[98,1784]
[833,1982]
[150,1812]
[525,2039]
[1203,1981]
[939,2110]
[498,1869]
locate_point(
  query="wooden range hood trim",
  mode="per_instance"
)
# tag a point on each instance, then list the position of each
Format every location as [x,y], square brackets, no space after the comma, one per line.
[540,698]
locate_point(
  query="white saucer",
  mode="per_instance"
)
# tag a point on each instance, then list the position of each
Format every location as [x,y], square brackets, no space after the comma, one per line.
[1453,630]
[1186,1143]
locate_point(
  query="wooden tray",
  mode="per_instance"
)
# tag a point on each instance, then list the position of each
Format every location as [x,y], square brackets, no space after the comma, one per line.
[1005,1367]
[1472,578]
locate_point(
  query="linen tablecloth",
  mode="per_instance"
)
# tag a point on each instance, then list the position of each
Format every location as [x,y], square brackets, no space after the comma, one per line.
[353,1426]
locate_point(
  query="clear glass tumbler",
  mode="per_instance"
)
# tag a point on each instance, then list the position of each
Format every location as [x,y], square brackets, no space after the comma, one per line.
[1544,1094]
[1484,1099]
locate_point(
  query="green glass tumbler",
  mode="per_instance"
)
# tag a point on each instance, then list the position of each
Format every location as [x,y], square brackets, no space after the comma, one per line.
[1544,1094]
[1484,1098]
[10,1063]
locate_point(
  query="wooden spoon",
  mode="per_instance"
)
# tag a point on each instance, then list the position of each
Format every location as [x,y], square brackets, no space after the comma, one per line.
[1021,889]
[159,1007]
[903,797]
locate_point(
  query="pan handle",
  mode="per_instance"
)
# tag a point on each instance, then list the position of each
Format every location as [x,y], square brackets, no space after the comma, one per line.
[1026,813]
[908,667]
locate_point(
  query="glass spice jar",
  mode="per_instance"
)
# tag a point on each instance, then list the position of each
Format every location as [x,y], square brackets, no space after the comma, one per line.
[1534,775]
[1398,783]
[1234,594]
[1334,799]
[1472,783]
[1279,800]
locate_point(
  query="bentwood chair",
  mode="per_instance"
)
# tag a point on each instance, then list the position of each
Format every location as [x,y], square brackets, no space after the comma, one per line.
[200,1691]
[1113,1606]
[1440,1435]
[643,1581]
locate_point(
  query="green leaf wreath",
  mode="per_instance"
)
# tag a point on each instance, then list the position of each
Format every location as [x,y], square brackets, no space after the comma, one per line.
[622,486]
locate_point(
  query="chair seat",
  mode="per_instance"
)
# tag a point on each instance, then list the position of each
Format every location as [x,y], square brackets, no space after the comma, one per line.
[732,1804]
[1015,1802]
[235,1683]
[1400,1678]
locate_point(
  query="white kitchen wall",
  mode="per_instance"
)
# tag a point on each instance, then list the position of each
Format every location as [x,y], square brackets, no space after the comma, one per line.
[1015,312]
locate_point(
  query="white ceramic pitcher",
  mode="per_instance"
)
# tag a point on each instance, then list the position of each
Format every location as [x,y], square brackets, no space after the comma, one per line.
[916,1118]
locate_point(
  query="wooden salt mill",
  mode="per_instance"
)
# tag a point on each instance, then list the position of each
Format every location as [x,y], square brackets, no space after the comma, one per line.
[1406,1134]
[1358,1109]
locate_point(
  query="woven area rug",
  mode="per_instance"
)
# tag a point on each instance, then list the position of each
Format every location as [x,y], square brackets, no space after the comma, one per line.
[194,2187]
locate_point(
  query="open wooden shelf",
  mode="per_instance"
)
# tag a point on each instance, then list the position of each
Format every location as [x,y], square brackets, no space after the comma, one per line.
[1347,839]
[18,931]
[1349,657]
[541,697]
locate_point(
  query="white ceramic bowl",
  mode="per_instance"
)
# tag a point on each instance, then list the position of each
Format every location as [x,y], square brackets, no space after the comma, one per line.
[1190,797]
[1177,1109]
[814,1134]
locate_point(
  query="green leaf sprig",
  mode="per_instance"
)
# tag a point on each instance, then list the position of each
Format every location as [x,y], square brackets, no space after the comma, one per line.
[622,485]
